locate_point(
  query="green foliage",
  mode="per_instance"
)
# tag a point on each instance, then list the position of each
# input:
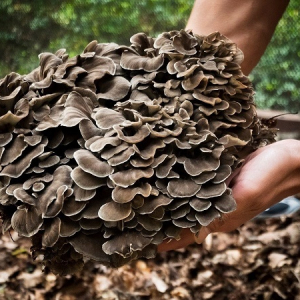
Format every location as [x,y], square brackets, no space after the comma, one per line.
[31,27]
[277,77]
[24,33]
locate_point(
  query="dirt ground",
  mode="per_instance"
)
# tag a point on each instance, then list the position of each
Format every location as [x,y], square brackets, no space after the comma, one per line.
[258,261]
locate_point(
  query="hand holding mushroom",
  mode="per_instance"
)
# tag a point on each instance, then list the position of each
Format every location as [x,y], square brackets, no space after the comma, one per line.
[267,176]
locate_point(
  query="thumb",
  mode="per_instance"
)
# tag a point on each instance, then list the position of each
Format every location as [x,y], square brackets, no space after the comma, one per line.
[186,238]
[201,235]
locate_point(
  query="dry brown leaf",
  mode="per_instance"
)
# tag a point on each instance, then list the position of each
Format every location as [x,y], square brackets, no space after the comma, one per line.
[5,275]
[278,260]
[181,293]
[30,280]
[159,283]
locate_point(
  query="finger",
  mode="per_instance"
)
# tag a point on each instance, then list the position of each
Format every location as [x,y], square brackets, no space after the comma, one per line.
[202,235]
[230,180]
[186,238]
[231,221]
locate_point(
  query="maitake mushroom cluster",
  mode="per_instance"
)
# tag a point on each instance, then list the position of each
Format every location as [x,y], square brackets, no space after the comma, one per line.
[107,154]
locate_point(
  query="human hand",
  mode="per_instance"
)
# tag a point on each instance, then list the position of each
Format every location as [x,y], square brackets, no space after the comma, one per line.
[268,175]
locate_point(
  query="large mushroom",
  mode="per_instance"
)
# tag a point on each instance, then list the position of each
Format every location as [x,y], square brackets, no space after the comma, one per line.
[107,154]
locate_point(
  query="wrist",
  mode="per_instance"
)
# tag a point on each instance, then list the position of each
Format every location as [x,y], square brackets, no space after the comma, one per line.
[291,149]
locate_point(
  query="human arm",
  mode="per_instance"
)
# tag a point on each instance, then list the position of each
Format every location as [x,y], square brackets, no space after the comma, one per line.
[248,23]
[272,172]
[268,175]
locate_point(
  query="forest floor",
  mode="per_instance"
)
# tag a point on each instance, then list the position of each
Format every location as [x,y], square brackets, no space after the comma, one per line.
[258,261]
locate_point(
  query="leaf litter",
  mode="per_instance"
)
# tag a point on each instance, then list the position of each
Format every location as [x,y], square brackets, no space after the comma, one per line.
[260,260]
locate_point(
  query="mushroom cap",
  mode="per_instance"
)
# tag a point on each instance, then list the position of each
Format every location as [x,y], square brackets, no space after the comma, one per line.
[106,154]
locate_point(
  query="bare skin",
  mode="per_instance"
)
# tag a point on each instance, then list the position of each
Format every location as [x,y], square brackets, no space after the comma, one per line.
[249,23]
[273,172]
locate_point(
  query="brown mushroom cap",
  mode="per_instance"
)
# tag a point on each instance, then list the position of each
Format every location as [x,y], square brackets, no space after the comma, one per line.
[107,154]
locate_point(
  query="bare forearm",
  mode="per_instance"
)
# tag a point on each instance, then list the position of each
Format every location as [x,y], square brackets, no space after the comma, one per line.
[248,23]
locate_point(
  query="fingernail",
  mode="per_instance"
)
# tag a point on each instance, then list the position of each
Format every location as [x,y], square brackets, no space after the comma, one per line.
[201,235]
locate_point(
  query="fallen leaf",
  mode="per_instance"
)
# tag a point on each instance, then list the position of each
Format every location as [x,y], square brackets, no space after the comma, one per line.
[4,275]
[160,285]
[277,260]
[181,293]
[31,280]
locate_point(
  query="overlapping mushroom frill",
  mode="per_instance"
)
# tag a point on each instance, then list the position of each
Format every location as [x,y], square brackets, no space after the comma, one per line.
[106,154]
